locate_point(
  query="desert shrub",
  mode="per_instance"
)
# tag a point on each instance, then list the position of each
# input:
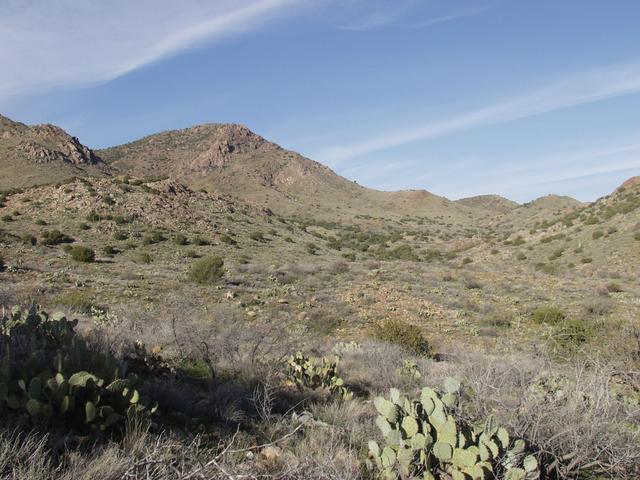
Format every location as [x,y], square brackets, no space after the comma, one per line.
[569,335]
[547,268]
[614,287]
[257,236]
[556,254]
[7,218]
[586,260]
[119,235]
[192,253]
[144,257]
[521,256]
[109,250]
[80,253]
[207,270]
[29,239]
[122,220]
[2,264]
[40,222]
[636,236]
[494,251]
[290,240]
[108,200]
[402,333]
[93,216]
[52,378]
[351,256]
[549,315]
[55,237]
[466,260]
[200,241]
[77,300]
[180,240]
[598,307]
[83,226]
[311,248]
[597,234]
[228,239]
[472,284]
[153,238]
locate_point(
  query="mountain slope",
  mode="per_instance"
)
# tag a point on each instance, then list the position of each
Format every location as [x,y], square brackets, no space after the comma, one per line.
[233,160]
[34,155]
[491,203]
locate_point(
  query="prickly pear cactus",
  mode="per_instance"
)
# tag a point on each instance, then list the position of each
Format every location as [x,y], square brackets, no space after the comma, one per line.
[49,375]
[314,373]
[422,438]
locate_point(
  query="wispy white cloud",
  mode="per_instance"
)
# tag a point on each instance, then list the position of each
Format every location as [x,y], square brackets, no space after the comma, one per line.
[585,87]
[463,13]
[379,14]
[63,43]
[523,178]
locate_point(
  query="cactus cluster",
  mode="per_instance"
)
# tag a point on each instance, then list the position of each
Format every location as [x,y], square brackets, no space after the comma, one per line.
[341,348]
[314,373]
[424,439]
[48,375]
[409,369]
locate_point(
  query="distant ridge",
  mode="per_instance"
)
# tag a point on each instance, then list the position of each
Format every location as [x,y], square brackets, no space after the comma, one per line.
[492,203]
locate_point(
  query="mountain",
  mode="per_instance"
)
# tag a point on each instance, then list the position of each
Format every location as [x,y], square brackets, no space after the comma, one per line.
[38,154]
[231,159]
[491,203]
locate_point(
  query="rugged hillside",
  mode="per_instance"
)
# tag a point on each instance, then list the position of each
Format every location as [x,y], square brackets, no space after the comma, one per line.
[233,160]
[490,203]
[39,154]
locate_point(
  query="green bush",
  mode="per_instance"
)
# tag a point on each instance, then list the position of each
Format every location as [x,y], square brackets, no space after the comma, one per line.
[83,254]
[404,334]
[549,315]
[207,270]
[55,237]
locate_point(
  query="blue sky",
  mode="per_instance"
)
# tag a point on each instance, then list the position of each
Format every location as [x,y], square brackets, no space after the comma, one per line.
[520,98]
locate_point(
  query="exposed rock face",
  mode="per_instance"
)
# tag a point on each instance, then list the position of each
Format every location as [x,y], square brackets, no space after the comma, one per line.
[44,144]
[69,151]
[631,182]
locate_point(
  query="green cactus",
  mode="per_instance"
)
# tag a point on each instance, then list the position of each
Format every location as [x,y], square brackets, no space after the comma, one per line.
[315,373]
[423,438]
[48,382]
